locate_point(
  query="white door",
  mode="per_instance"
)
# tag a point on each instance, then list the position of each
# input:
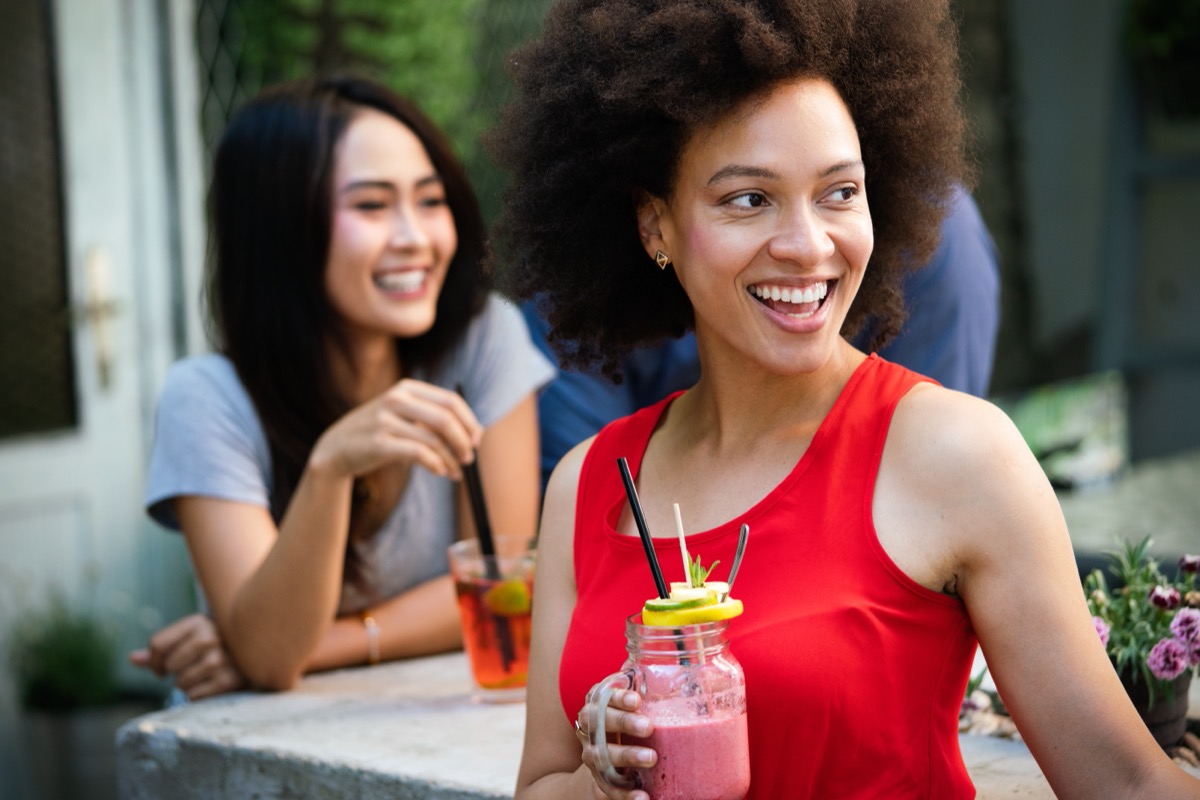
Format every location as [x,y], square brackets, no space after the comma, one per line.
[70,510]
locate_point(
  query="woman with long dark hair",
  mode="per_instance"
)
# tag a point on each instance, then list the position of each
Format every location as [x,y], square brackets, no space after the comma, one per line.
[312,463]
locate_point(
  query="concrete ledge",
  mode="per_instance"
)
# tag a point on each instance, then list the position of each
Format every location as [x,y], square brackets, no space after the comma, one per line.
[405,729]
[399,730]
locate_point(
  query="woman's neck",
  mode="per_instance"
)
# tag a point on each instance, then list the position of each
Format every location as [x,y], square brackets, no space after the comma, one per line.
[738,406]
[363,370]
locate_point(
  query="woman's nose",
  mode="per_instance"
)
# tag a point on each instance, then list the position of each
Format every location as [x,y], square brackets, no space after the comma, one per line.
[407,230]
[803,237]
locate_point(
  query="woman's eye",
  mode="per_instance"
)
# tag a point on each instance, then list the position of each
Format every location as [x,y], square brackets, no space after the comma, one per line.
[433,202]
[844,193]
[370,205]
[749,200]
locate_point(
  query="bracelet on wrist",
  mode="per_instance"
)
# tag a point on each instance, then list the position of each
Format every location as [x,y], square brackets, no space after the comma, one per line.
[371,627]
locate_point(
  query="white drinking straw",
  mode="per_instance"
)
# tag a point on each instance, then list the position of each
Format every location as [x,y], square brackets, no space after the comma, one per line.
[687,564]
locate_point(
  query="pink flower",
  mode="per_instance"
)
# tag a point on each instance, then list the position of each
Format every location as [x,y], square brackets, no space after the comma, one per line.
[1101,630]
[1168,659]
[1186,626]
[1194,655]
[1189,564]
[1165,597]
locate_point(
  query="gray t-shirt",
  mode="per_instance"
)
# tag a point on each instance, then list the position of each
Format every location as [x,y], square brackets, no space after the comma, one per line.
[208,441]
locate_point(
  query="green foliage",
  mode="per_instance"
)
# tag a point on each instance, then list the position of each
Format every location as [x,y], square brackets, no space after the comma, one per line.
[62,659]
[1164,29]
[422,50]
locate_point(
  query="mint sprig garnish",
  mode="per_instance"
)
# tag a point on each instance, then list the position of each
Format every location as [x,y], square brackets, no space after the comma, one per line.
[697,574]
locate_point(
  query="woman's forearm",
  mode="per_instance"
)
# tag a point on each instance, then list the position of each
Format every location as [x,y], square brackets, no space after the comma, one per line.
[421,621]
[284,610]
[560,786]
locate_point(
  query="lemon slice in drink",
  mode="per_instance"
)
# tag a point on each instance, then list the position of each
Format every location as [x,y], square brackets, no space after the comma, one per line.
[692,616]
[508,599]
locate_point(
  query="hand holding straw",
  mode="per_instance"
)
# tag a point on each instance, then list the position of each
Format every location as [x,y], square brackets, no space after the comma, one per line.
[643,531]
[487,549]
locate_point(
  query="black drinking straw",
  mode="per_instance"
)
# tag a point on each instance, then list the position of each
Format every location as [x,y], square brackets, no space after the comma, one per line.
[643,531]
[487,549]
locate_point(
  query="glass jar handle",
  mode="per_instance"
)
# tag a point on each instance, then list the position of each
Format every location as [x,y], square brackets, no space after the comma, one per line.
[597,702]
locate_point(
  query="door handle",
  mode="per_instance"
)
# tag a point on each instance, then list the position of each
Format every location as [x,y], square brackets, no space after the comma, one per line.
[99,309]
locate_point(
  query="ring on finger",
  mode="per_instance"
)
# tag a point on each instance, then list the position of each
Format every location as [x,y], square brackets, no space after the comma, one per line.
[581,734]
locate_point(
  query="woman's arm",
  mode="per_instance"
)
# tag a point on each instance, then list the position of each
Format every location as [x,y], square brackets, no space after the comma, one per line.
[274,592]
[425,620]
[981,501]
[550,762]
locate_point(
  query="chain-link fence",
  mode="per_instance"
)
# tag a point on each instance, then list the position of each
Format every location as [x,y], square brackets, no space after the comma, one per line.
[448,56]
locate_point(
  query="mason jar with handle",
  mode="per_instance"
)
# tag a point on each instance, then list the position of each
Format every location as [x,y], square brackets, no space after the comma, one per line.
[693,690]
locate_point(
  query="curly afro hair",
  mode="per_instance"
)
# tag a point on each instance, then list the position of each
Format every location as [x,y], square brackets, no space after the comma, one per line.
[609,95]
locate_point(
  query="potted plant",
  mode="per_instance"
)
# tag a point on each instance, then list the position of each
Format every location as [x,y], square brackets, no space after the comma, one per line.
[62,660]
[1150,627]
[64,664]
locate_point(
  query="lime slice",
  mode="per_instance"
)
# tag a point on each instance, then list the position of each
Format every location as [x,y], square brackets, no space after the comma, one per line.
[691,616]
[694,599]
[508,599]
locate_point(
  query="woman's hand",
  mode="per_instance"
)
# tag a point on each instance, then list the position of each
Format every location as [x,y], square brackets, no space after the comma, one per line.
[190,651]
[412,422]
[620,717]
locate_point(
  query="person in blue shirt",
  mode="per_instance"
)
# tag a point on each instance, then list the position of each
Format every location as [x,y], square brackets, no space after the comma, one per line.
[953,304]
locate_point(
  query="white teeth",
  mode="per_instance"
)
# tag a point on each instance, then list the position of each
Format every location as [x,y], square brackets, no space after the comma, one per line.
[407,281]
[792,294]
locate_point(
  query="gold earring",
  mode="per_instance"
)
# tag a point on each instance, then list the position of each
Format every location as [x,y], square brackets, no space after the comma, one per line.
[662,259]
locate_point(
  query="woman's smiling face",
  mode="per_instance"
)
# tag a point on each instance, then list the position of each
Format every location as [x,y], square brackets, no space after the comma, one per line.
[393,234]
[767,227]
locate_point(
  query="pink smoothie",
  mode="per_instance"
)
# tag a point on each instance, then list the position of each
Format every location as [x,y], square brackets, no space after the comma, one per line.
[705,759]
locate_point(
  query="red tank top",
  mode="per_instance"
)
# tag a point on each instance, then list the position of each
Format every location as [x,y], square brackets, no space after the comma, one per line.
[855,673]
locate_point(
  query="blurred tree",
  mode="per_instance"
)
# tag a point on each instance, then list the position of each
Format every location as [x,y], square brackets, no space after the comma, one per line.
[448,56]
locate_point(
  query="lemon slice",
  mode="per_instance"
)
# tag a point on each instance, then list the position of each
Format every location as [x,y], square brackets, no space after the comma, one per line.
[691,616]
[508,599]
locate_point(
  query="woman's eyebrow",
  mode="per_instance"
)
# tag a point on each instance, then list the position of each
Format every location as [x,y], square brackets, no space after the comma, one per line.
[742,171]
[745,171]
[841,166]
[429,180]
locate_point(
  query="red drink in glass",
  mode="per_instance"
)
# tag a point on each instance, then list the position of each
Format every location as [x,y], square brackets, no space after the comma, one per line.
[495,600]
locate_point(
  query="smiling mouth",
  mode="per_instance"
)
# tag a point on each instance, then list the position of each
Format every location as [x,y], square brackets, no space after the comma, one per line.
[401,282]
[798,302]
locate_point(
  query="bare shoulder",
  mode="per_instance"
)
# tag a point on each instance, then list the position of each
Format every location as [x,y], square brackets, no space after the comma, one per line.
[557,530]
[957,483]
[949,438]
[563,486]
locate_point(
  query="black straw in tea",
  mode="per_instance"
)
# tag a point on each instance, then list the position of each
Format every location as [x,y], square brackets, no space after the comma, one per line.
[487,549]
[643,531]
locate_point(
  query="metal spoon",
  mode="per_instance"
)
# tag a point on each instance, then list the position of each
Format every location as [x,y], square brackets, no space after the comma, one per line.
[743,534]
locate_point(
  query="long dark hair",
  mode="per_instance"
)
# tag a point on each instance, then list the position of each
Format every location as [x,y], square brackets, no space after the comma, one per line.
[270,211]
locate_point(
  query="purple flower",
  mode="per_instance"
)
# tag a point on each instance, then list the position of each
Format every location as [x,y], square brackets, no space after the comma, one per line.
[1194,655]
[1168,659]
[1101,630]
[1165,597]
[1186,626]
[1189,564]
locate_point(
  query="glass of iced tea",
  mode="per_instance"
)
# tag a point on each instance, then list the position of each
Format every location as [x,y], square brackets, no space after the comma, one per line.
[495,596]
